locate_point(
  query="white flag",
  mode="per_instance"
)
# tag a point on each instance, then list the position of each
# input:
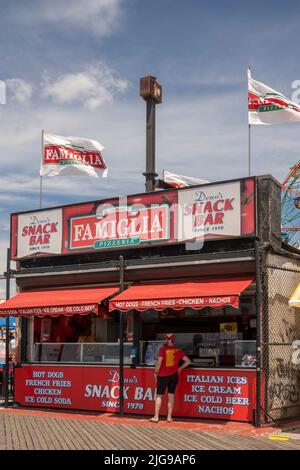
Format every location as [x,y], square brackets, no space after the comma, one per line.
[71,156]
[180,181]
[267,106]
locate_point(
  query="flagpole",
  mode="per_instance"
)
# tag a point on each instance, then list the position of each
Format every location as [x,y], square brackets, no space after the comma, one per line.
[249,125]
[249,149]
[41,189]
[41,178]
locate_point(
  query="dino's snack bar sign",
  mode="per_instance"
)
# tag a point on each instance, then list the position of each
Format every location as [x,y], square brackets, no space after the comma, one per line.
[210,211]
[40,232]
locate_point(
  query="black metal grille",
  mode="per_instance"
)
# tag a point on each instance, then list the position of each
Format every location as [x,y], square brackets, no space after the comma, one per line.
[10,384]
[280,327]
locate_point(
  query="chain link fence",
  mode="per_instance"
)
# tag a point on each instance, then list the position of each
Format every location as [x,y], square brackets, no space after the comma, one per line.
[280,328]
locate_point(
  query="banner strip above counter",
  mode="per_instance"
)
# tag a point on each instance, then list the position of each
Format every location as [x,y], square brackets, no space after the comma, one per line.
[214,292]
[56,302]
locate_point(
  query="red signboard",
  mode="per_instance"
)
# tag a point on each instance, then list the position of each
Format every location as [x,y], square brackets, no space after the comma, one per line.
[215,394]
[119,227]
[177,304]
[210,211]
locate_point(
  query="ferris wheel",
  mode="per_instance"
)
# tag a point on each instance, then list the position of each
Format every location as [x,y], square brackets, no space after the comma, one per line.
[290,207]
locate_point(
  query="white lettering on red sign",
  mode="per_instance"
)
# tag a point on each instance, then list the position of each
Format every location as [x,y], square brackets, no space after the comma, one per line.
[57,154]
[120,227]
[218,394]
[54,311]
[214,302]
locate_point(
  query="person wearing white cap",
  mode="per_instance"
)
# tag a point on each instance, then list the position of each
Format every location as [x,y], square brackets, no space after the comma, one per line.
[166,373]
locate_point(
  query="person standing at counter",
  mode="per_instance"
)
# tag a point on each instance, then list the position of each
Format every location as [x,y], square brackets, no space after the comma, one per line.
[167,372]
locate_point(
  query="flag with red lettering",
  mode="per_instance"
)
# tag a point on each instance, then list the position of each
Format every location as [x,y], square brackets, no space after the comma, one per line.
[267,106]
[180,181]
[71,156]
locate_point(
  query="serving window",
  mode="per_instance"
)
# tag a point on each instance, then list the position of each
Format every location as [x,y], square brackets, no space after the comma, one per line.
[210,337]
[77,339]
[224,337]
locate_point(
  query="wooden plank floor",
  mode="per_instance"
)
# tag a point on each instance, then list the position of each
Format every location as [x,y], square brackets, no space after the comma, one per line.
[21,432]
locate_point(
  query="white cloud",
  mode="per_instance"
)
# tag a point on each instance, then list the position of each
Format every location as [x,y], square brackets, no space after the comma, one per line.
[198,136]
[93,87]
[20,90]
[100,17]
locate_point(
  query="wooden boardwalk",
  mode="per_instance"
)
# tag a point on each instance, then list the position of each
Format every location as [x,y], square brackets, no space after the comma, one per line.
[25,432]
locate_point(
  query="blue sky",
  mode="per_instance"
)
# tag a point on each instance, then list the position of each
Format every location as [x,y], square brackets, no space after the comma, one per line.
[72,67]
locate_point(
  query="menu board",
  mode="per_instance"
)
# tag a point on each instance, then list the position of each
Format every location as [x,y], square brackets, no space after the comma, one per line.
[217,394]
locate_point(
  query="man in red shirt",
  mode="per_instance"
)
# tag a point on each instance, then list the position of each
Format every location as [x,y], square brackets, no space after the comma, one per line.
[166,373]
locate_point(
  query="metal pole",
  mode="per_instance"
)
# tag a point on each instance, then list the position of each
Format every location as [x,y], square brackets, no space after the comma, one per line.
[249,126]
[258,335]
[41,178]
[41,189]
[150,173]
[6,369]
[121,349]
[249,149]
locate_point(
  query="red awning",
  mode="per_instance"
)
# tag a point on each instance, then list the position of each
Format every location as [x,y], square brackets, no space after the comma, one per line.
[56,302]
[213,293]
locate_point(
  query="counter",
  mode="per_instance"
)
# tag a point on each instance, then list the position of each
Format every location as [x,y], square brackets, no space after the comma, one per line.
[201,393]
